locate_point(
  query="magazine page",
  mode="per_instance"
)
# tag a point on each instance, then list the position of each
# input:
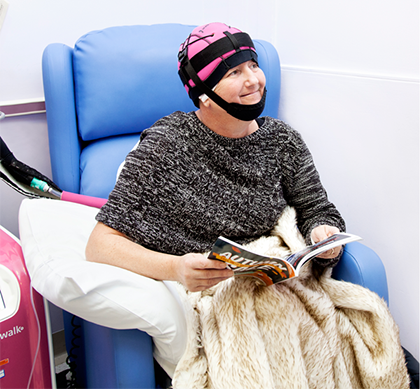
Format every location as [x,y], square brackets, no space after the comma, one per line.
[246,263]
[271,270]
[298,259]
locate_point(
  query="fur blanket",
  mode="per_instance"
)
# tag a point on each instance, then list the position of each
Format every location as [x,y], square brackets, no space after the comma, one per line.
[310,332]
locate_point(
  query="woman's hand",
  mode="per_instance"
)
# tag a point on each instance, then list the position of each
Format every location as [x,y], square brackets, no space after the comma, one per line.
[322,232]
[196,272]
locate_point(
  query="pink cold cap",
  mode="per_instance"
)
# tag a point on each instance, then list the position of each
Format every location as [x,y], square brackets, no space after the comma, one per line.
[209,52]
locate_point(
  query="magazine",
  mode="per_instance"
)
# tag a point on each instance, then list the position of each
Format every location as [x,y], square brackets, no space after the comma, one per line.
[271,270]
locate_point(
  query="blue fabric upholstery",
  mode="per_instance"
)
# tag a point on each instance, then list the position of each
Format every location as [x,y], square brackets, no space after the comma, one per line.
[361,265]
[115,84]
[99,97]
[100,160]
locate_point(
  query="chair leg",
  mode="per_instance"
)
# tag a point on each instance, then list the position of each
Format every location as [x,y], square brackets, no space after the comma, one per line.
[163,381]
[413,369]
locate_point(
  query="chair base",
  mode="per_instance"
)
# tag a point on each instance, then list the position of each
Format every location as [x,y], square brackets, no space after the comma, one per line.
[102,357]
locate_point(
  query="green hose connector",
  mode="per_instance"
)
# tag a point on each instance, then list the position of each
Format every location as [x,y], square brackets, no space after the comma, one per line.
[38,184]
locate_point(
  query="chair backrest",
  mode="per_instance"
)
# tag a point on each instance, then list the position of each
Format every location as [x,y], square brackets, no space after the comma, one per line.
[101,94]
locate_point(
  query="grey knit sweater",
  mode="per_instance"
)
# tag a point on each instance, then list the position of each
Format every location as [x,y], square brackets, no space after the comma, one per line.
[185,185]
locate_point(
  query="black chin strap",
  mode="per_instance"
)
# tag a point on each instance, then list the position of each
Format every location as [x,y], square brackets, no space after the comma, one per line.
[247,112]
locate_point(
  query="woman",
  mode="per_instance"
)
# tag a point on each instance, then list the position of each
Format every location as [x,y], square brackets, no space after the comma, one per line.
[221,170]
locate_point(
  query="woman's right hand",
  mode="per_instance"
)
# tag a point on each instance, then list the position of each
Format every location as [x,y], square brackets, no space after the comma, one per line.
[194,271]
[197,273]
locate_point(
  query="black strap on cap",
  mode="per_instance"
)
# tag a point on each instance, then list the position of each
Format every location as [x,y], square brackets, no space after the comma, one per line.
[218,49]
[232,40]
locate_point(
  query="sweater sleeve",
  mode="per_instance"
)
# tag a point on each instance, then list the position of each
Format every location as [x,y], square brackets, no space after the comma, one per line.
[304,191]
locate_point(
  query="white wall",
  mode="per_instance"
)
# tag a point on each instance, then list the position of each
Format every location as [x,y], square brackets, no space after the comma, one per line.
[349,85]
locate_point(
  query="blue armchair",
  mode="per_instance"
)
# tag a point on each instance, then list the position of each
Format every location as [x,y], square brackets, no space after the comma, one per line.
[100,95]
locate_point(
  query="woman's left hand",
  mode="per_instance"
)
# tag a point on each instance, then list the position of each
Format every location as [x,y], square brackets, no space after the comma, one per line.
[322,232]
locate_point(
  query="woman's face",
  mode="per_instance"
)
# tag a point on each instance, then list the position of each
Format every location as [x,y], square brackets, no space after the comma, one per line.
[243,84]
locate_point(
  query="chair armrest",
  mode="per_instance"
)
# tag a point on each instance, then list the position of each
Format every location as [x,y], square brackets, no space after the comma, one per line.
[361,265]
[57,70]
